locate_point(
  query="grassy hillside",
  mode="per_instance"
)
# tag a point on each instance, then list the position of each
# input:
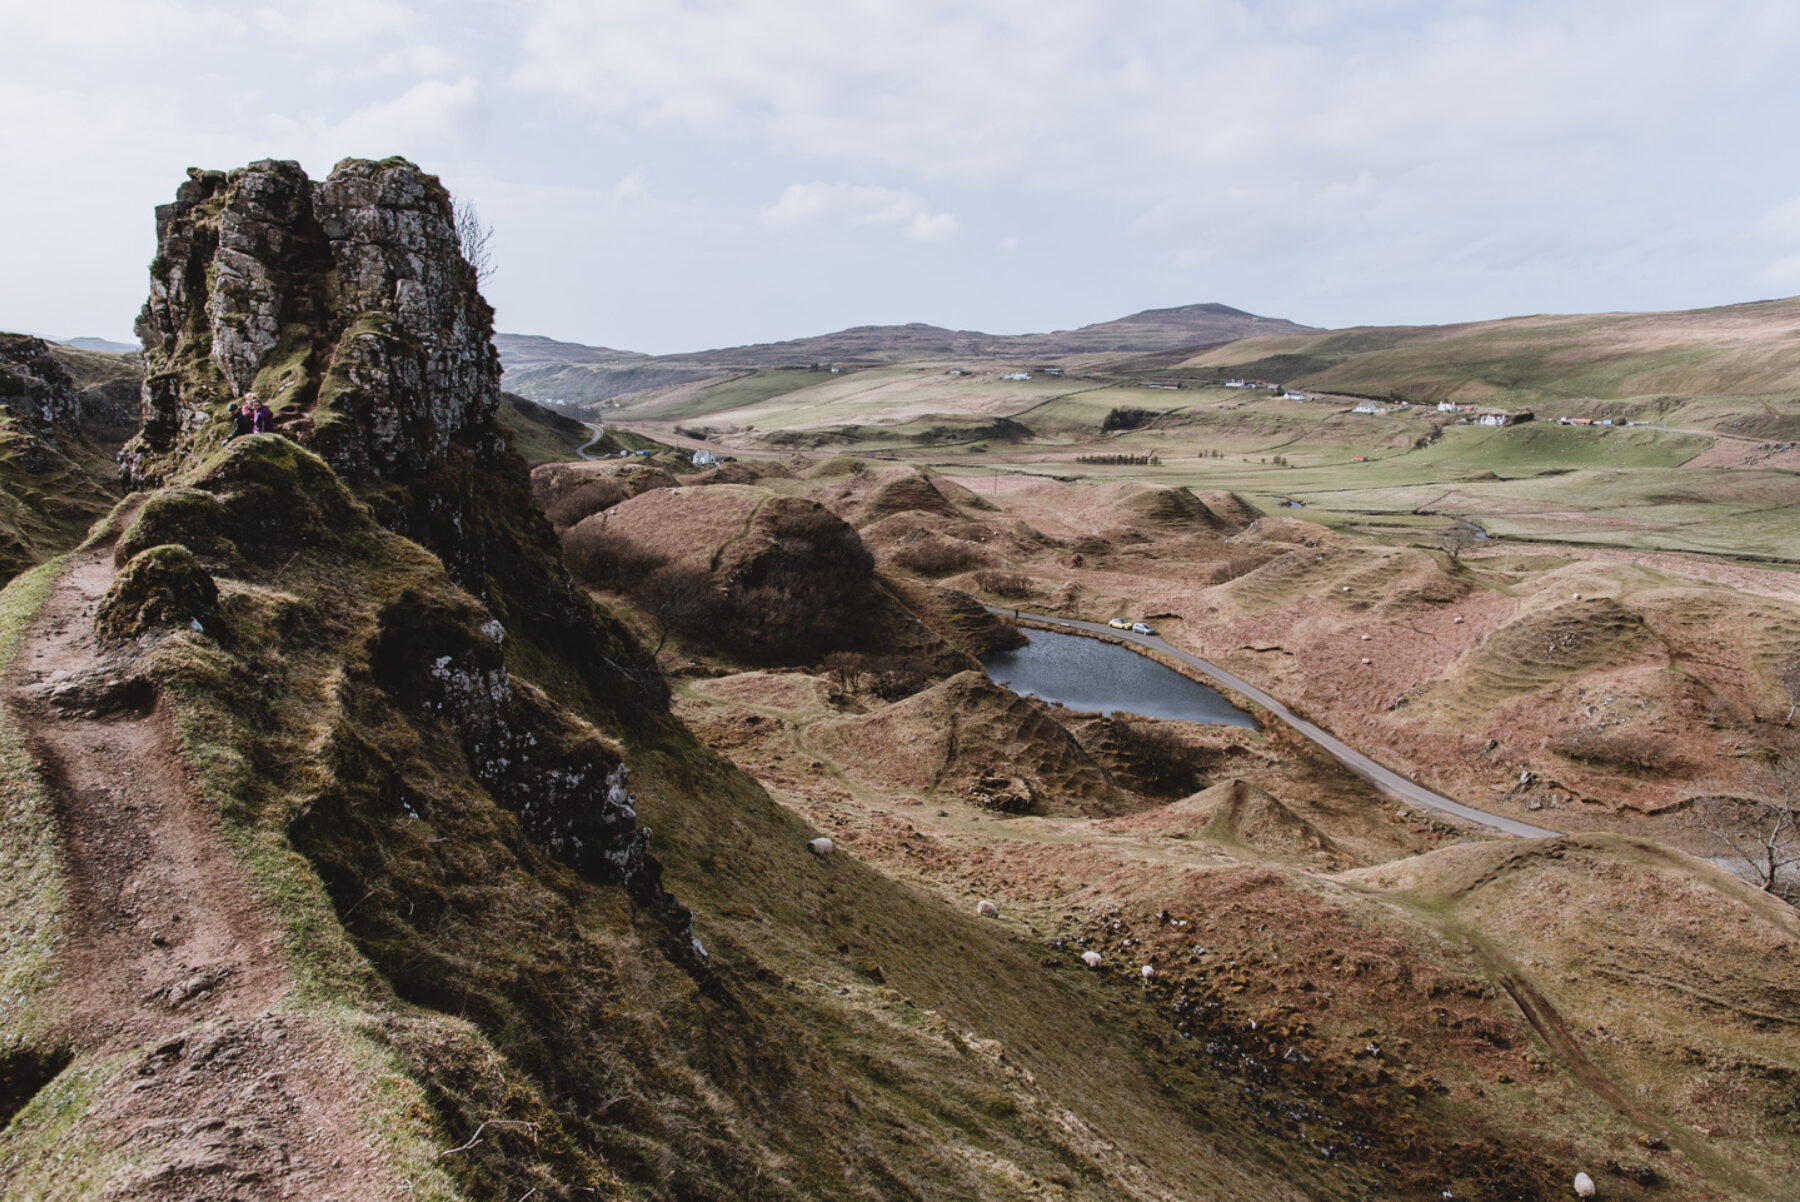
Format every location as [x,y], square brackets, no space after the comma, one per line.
[1558,362]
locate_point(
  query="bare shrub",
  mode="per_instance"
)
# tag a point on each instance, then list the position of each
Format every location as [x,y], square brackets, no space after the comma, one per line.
[585,501]
[1005,584]
[1123,459]
[679,598]
[1125,418]
[1760,840]
[936,556]
[476,239]
[602,558]
[1625,751]
[889,677]
[1151,758]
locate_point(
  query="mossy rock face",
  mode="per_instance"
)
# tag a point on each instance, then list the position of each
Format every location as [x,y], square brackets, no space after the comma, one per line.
[276,493]
[186,516]
[163,586]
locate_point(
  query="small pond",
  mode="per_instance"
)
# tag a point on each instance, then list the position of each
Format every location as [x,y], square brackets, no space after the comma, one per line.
[1088,674]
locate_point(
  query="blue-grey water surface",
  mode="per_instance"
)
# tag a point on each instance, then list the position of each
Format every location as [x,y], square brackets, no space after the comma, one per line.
[1088,674]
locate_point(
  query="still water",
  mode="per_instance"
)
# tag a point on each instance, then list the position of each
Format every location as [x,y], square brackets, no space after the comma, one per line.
[1087,674]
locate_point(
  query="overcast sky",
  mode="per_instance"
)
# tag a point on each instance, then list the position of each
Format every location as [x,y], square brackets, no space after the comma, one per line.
[669,175]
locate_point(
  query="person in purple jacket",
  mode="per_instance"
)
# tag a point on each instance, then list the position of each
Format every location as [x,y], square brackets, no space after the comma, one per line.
[262,419]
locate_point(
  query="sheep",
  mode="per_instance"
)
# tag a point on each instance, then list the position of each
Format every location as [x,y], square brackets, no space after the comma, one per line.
[1148,971]
[820,846]
[1365,638]
[1458,621]
[1584,1186]
[1367,660]
[1091,959]
[1577,596]
[987,909]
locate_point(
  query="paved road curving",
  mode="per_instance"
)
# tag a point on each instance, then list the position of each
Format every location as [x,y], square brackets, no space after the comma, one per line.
[1382,778]
[599,433]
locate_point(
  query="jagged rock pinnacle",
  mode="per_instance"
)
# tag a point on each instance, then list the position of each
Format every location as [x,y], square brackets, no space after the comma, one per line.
[345,304]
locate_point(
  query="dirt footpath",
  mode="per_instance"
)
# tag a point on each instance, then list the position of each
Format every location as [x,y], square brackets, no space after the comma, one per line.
[168,953]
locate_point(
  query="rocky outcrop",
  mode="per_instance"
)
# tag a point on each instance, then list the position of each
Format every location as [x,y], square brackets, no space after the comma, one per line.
[54,482]
[345,304]
[34,387]
[348,307]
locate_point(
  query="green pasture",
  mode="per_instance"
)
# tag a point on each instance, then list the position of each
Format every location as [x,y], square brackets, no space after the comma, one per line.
[739,392]
[1562,365]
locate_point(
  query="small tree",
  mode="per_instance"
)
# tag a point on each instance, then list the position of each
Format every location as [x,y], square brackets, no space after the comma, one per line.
[476,238]
[679,598]
[1457,539]
[1759,837]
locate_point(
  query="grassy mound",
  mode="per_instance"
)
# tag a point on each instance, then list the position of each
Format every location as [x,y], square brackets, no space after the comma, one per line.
[944,741]
[1537,649]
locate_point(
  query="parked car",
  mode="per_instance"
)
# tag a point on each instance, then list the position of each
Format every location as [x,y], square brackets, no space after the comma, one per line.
[1142,628]
[1118,623]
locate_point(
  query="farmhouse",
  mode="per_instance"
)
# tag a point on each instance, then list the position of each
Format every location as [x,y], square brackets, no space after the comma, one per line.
[1293,396]
[1016,375]
[1502,417]
[1448,407]
[1370,407]
[1236,384]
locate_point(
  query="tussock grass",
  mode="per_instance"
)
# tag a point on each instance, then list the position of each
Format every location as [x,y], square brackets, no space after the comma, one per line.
[31,879]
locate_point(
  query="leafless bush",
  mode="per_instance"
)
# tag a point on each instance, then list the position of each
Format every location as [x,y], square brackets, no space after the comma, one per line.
[889,677]
[1152,759]
[1626,751]
[602,558]
[679,598]
[1759,839]
[936,556]
[1123,459]
[585,501]
[476,239]
[1005,584]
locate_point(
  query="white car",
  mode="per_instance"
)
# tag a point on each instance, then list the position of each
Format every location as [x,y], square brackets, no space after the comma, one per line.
[1142,628]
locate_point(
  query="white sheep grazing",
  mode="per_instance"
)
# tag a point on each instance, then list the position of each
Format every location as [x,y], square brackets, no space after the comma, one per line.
[987,909]
[1149,970]
[820,846]
[1584,1186]
[1091,959]
[1367,660]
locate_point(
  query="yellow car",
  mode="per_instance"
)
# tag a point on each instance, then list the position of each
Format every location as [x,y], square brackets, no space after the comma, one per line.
[1118,623]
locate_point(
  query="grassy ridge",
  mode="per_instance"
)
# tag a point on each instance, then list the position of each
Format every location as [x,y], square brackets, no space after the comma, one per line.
[1738,350]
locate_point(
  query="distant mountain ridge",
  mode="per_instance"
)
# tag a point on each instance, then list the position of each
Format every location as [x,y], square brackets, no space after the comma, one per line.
[544,368]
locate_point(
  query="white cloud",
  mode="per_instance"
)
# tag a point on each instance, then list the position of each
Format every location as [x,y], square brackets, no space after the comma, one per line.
[860,205]
[1224,126]
[428,115]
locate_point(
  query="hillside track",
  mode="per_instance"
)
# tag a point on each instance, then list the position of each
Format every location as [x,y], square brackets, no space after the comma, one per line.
[168,957]
[1383,778]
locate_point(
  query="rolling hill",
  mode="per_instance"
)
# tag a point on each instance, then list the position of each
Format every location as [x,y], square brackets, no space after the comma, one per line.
[544,369]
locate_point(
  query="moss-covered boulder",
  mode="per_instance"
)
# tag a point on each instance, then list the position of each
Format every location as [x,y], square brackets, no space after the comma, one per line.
[161,587]
[277,494]
[185,516]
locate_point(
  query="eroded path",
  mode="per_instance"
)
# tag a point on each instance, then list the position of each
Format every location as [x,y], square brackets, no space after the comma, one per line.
[169,959]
